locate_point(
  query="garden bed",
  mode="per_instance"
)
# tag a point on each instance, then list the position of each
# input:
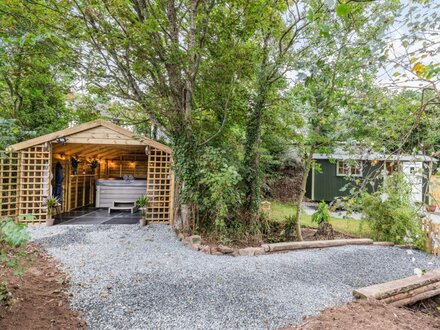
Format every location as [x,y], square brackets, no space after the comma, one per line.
[38,298]
[276,239]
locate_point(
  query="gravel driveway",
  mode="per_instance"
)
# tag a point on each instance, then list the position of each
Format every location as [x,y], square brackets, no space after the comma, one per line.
[125,277]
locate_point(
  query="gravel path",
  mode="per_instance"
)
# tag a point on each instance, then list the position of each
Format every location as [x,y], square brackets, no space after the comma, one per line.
[124,277]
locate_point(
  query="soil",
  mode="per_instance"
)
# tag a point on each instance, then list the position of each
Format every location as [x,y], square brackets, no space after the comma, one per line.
[429,306]
[368,315]
[39,299]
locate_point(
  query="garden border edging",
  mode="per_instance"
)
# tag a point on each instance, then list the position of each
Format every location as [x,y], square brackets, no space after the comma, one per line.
[195,243]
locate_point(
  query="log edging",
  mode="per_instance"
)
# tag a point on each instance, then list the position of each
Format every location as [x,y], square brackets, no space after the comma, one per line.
[403,291]
[288,246]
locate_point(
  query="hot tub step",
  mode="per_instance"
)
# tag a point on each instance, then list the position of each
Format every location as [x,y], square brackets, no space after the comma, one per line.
[124,203]
[123,206]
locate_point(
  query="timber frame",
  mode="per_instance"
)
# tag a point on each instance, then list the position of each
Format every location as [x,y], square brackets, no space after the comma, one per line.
[27,170]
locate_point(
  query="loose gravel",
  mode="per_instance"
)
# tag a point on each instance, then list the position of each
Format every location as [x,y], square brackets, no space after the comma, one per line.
[126,277]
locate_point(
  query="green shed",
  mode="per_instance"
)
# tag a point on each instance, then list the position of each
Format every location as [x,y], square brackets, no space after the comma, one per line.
[336,173]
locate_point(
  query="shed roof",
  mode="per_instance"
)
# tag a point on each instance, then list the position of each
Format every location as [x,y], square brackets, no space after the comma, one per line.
[345,155]
[73,132]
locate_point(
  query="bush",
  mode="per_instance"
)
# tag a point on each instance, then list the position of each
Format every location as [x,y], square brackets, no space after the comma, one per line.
[12,235]
[290,227]
[389,212]
[322,214]
[218,189]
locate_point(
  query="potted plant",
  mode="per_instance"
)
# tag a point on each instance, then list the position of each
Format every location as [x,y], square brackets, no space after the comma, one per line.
[74,162]
[93,165]
[141,203]
[51,204]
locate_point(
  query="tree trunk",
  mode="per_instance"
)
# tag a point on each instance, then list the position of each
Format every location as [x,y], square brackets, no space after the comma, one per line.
[251,175]
[185,162]
[302,192]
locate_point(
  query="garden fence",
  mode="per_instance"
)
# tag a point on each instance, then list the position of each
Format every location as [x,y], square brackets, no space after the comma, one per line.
[432,236]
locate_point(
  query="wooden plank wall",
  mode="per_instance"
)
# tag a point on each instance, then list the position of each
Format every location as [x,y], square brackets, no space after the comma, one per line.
[102,135]
[81,191]
[119,168]
[159,186]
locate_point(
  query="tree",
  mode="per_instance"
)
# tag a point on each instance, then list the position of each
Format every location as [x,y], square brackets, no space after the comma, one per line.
[338,77]
[34,79]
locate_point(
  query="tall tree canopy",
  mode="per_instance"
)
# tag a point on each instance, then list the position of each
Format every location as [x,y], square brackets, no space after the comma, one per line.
[230,84]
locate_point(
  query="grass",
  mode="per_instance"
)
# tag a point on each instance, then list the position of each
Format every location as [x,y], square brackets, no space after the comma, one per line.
[278,211]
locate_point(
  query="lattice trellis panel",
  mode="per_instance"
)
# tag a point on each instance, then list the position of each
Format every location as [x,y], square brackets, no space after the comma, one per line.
[34,187]
[159,186]
[431,233]
[9,176]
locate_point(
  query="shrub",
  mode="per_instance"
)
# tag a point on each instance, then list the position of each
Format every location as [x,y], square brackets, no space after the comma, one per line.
[218,184]
[390,214]
[12,235]
[322,214]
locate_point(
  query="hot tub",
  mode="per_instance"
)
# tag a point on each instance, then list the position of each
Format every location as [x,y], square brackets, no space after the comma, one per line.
[110,190]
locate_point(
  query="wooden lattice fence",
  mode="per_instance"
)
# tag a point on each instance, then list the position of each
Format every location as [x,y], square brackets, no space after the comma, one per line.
[25,183]
[9,171]
[159,186]
[34,181]
[431,232]
[435,190]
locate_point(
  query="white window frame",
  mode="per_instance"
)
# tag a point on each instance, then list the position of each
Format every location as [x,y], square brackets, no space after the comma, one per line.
[350,169]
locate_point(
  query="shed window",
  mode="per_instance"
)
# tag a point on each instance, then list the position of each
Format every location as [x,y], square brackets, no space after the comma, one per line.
[344,168]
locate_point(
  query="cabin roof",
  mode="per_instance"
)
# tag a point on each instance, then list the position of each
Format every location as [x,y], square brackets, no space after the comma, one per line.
[65,133]
[344,155]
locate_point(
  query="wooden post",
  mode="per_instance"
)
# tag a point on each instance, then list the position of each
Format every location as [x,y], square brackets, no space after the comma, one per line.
[76,191]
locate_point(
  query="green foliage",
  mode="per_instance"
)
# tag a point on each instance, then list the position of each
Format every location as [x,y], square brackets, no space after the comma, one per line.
[13,234]
[232,85]
[11,132]
[218,182]
[12,237]
[322,214]
[34,77]
[290,223]
[51,204]
[389,212]
[5,294]
[142,203]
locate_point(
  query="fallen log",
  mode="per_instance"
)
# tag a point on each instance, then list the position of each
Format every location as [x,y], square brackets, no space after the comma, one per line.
[411,293]
[414,299]
[276,247]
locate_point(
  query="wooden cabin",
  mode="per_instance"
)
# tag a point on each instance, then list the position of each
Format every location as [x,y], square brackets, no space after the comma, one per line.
[92,164]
